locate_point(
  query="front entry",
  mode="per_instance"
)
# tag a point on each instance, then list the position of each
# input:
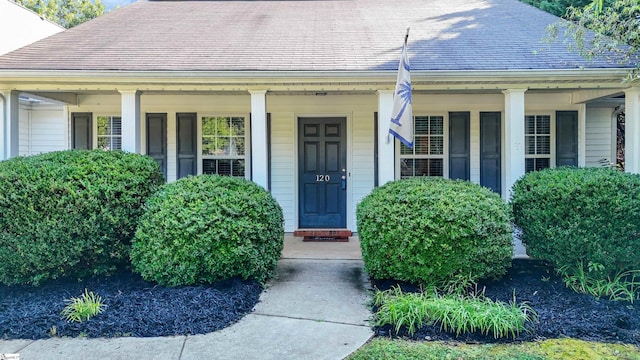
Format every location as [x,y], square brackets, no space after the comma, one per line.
[322,164]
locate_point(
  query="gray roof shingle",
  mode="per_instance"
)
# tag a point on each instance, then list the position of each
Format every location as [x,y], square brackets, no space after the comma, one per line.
[299,35]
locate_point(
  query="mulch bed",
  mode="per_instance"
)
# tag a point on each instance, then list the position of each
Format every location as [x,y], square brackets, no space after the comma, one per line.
[561,311]
[134,308]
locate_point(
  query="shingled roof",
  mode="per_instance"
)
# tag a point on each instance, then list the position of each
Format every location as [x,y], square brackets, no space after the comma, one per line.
[328,35]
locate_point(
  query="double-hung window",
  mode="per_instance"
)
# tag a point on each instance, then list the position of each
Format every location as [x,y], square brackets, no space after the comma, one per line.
[537,138]
[109,132]
[427,156]
[224,145]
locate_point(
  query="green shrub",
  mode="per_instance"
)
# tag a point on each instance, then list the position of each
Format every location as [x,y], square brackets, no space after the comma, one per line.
[70,213]
[207,228]
[432,230]
[572,216]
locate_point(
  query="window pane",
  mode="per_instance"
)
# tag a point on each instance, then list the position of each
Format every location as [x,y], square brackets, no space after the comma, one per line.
[543,124]
[223,146]
[436,167]
[116,143]
[543,145]
[530,145]
[529,165]
[223,126]
[209,166]
[421,145]
[239,146]
[529,124]
[542,164]
[208,126]
[436,126]
[103,124]
[422,167]
[405,150]
[103,143]
[421,125]
[116,126]
[406,168]
[224,167]
[208,146]
[237,124]
[437,145]
[238,168]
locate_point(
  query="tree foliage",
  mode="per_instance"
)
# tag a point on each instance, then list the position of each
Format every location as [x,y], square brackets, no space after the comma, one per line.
[67,13]
[614,35]
[557,7]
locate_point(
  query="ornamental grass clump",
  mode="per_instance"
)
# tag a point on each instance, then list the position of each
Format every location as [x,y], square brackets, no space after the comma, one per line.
[70,213]
[432,230]
[451,312]
[83,308]
[206,228]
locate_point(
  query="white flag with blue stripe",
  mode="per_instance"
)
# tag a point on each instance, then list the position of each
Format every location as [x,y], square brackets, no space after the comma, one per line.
[401,125]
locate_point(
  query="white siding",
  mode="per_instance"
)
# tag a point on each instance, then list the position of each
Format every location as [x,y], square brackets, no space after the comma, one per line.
[283,168]
[42,130]
[21,26]
[599,135]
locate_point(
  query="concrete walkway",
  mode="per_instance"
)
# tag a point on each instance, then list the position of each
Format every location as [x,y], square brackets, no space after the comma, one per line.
[315,309]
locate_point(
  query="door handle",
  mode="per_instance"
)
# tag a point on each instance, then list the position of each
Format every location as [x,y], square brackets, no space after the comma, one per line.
[343,182]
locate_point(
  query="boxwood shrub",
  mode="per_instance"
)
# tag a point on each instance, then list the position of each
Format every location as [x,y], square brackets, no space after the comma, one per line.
[207,228]
[573,215]
[70,213]
[432,231]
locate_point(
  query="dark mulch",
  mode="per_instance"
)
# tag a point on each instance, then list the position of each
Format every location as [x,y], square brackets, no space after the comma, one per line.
[561,311]
[134,308]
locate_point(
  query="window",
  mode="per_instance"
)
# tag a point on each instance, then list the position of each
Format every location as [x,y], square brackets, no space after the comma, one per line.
[537,139]
[223,145]
[109,132]
[427,156]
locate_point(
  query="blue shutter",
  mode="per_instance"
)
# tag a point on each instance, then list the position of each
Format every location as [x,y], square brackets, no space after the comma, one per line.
[459,145]
[566,138]
[157,140]
[490,151]
[187,144]
[81,125]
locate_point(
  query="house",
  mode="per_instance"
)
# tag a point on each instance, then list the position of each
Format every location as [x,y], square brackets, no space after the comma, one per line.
[22,26]
[296,95]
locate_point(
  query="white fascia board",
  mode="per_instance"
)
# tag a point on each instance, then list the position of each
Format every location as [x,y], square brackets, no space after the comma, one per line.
[259,78]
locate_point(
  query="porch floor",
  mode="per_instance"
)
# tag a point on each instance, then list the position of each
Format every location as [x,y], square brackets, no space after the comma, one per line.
[295,248]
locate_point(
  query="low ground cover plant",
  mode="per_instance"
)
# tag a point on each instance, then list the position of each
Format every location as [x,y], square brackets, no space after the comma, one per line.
[206,228]
[456,313]
[585,222]
[70,213]
[432,230]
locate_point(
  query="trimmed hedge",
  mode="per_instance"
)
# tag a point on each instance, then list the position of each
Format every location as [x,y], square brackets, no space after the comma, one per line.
[207,228]
[573,215]
[433,230]
[70,213]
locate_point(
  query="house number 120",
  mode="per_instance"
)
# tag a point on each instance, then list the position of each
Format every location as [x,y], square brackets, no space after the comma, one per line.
[323,177]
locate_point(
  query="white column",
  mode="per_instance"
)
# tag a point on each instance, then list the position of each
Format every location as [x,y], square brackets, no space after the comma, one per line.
[386,152]
[131,121]
[9,124]
[259,141]
[513,139]
[632,130]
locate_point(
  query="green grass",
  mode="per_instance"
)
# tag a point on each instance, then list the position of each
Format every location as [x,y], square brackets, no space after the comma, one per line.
[452,312]
[555,349]
[623,286]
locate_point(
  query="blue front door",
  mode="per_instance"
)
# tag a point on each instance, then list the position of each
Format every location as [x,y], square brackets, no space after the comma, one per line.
[322,165]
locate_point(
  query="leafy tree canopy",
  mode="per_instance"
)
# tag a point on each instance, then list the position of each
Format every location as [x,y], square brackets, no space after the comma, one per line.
[67,13]
[557,7]
[616,31]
